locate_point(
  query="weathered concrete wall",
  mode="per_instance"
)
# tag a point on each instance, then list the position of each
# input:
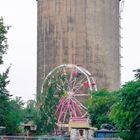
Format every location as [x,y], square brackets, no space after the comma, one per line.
[82,32]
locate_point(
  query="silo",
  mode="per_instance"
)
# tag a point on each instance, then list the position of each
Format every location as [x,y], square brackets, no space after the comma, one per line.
[81,32]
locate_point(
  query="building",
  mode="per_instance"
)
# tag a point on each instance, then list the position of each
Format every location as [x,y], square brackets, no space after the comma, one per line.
[81,32]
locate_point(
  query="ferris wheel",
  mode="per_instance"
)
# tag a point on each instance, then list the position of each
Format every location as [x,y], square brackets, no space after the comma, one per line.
[73,85]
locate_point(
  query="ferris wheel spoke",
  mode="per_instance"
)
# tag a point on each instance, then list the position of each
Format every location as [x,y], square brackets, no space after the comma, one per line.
[70,84]
[58,87]
[64,71]
[60,117]
[80,86]
[76,79]
[64,82]
[70,108]
[70,78]
[73,108]
[80,95]
[80,83]
[76,108]
[81,105]
[74,83]
[61,111]
[65,115]
[59,105]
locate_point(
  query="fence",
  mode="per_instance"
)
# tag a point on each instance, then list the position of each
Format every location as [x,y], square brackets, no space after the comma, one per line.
[49,138]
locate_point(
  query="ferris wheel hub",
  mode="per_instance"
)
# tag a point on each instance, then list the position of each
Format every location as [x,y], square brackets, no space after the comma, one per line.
[70,94]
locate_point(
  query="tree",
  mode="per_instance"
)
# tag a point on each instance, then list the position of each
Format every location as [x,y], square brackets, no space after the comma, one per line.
[4,81]
[46,120]
[4,98]
[3,39]
[49,100]
[137,73]
[15,116]
[30,110]
[135,128]
[10,109]
[99,107]
[125,112]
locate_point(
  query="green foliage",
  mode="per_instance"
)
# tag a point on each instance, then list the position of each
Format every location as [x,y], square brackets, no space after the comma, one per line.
[99,107]
[46,121]
[126,109]
[48,111]
[15,116]
[121,108]
[11,112]
[3,39]
[135,128]
[4,98]
[49,99]
[4,81]
[137,73]
[30,111]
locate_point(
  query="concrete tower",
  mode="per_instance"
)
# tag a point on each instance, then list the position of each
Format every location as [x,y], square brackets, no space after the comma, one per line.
[82,32]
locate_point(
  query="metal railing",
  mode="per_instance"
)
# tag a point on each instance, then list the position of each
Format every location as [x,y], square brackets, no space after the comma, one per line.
[49,138]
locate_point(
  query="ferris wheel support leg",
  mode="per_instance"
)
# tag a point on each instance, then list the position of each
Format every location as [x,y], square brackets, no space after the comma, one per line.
[59,105]
[77,107]
[71,109]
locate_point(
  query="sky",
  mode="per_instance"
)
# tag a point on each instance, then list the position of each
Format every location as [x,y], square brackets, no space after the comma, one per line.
[22,40]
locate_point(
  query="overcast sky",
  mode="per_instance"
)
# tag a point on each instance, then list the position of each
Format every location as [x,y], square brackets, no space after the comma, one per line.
[21,15]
